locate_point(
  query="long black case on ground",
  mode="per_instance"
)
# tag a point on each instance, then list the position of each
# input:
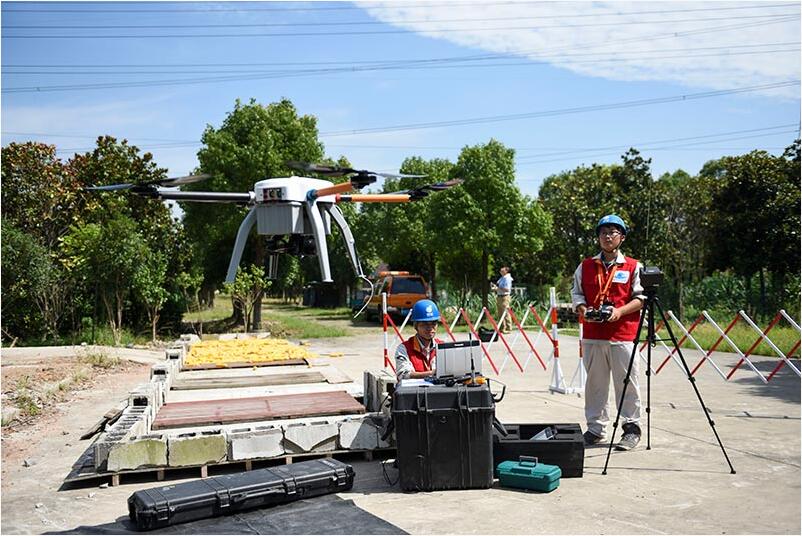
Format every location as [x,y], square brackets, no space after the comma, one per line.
[444,437]
[221,495]
[565,450]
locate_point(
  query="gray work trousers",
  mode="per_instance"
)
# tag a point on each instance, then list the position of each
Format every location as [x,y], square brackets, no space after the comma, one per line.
[601,359]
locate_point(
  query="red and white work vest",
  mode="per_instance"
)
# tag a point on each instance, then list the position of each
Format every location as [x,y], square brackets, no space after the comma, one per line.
[616,283]
[420,361]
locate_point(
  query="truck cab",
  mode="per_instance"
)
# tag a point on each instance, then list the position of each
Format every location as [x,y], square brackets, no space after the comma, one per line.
[403,290]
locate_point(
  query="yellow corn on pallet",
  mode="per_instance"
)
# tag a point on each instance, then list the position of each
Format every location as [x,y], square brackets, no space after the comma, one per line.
[221,353]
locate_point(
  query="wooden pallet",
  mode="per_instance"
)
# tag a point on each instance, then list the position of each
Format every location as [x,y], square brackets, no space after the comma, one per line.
[84,469]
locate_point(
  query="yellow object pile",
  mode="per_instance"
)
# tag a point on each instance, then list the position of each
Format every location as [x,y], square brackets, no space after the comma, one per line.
[221,353]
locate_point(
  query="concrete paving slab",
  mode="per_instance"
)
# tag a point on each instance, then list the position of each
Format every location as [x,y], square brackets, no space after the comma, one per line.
[354,389]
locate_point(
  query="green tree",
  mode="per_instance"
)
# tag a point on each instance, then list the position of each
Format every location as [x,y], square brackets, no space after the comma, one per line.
[107,255]
[252,144]
[755,217]
[150,278]
[486,218]
[246,290]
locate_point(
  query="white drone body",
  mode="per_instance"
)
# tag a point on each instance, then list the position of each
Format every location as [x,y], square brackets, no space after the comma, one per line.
[283,207]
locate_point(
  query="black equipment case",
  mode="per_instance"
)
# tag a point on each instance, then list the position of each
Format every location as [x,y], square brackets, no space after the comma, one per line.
[444,437]
[225,494]
[565,450]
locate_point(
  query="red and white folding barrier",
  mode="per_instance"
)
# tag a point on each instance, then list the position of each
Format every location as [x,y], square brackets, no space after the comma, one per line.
[763,336]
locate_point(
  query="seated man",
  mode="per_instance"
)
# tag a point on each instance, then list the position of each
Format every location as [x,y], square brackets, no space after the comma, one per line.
[414,357]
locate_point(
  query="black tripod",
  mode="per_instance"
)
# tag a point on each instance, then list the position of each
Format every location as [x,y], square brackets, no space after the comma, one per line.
[653,301]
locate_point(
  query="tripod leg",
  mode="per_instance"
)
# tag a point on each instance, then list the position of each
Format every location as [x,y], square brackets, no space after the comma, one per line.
[624,392]
[693,383]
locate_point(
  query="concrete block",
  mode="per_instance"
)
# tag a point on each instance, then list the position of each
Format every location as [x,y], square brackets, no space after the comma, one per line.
[259,442]
[318,436]
[189,337]
[374,384]
[358,434]
[196,449]
[141,451]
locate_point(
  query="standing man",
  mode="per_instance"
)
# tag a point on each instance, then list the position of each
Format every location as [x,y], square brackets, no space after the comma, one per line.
[609,283]
[414,358]
[503,291]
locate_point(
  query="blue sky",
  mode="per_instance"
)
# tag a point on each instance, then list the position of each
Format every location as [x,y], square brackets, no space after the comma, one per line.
[563,83]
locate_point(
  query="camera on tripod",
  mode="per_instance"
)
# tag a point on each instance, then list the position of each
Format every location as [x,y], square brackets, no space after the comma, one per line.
[650,278]
[602,314]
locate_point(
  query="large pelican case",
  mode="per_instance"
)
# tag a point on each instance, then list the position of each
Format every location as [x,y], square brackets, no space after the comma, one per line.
[566,449]
[529,473]
[444,437]
[220,495]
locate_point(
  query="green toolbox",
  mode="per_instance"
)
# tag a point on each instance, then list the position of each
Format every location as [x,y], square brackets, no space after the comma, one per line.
[527,473]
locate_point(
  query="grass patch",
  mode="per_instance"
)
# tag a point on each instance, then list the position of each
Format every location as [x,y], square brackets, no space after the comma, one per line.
[222,310]
[26,402]
[100,359]
[299,326]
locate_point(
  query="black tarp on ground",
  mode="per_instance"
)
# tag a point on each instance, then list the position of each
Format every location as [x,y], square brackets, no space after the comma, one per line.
[328,514]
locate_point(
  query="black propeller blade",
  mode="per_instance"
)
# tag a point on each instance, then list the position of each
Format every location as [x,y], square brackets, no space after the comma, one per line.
[334,171]
[422,191]
[150,185]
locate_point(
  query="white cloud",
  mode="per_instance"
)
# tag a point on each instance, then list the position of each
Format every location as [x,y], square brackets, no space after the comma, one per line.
[673,43]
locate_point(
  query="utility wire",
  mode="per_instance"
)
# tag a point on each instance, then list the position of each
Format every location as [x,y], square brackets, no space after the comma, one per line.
[372,23]
[403,5]
[655,142]
[758,132]
[412,65]
[646,148]
[383,62]
[353,33]
[563,111]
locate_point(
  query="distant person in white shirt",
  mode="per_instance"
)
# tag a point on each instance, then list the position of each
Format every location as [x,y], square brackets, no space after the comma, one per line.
[503,290]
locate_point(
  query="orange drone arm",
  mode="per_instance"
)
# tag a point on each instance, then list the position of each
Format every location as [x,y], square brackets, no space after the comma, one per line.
[373,198]
[336,189]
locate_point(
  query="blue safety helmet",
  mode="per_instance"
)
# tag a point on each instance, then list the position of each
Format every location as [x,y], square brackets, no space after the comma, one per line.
[612,219]
[425,311]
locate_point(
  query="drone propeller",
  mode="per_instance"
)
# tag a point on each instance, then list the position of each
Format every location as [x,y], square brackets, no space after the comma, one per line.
[336,171]
[422,191]
[150,185]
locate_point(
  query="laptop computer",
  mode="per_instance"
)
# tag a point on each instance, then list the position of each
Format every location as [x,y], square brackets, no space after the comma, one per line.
[454,359]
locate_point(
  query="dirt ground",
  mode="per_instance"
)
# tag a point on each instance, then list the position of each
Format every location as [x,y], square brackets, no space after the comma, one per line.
[20,438]
[681,486]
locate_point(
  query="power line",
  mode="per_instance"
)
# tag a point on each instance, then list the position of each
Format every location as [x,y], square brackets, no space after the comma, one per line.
[594,154]
[563,111]
[383,62]
[405,5]
[372,23]
[670,140]
[783,18]
[400,67]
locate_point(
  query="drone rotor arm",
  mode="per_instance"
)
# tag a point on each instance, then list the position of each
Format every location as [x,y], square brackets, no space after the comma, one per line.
[374,198]
[242,198]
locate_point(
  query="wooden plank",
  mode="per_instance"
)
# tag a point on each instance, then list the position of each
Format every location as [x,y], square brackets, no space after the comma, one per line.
[205,412]
[195,395]
[248,381]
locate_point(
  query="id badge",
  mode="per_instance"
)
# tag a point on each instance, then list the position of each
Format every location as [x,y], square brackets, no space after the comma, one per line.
[621,276]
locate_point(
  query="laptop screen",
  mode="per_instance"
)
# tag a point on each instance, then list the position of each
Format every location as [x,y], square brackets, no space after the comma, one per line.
[454,358]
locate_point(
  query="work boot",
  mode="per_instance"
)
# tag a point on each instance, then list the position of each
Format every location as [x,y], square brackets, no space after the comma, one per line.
[631,437]
[591,438]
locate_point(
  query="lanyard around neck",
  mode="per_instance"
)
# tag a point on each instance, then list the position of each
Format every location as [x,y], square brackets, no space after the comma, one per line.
[604,288]
[425,352]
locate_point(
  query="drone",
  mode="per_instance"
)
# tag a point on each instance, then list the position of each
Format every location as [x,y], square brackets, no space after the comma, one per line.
[294,212]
